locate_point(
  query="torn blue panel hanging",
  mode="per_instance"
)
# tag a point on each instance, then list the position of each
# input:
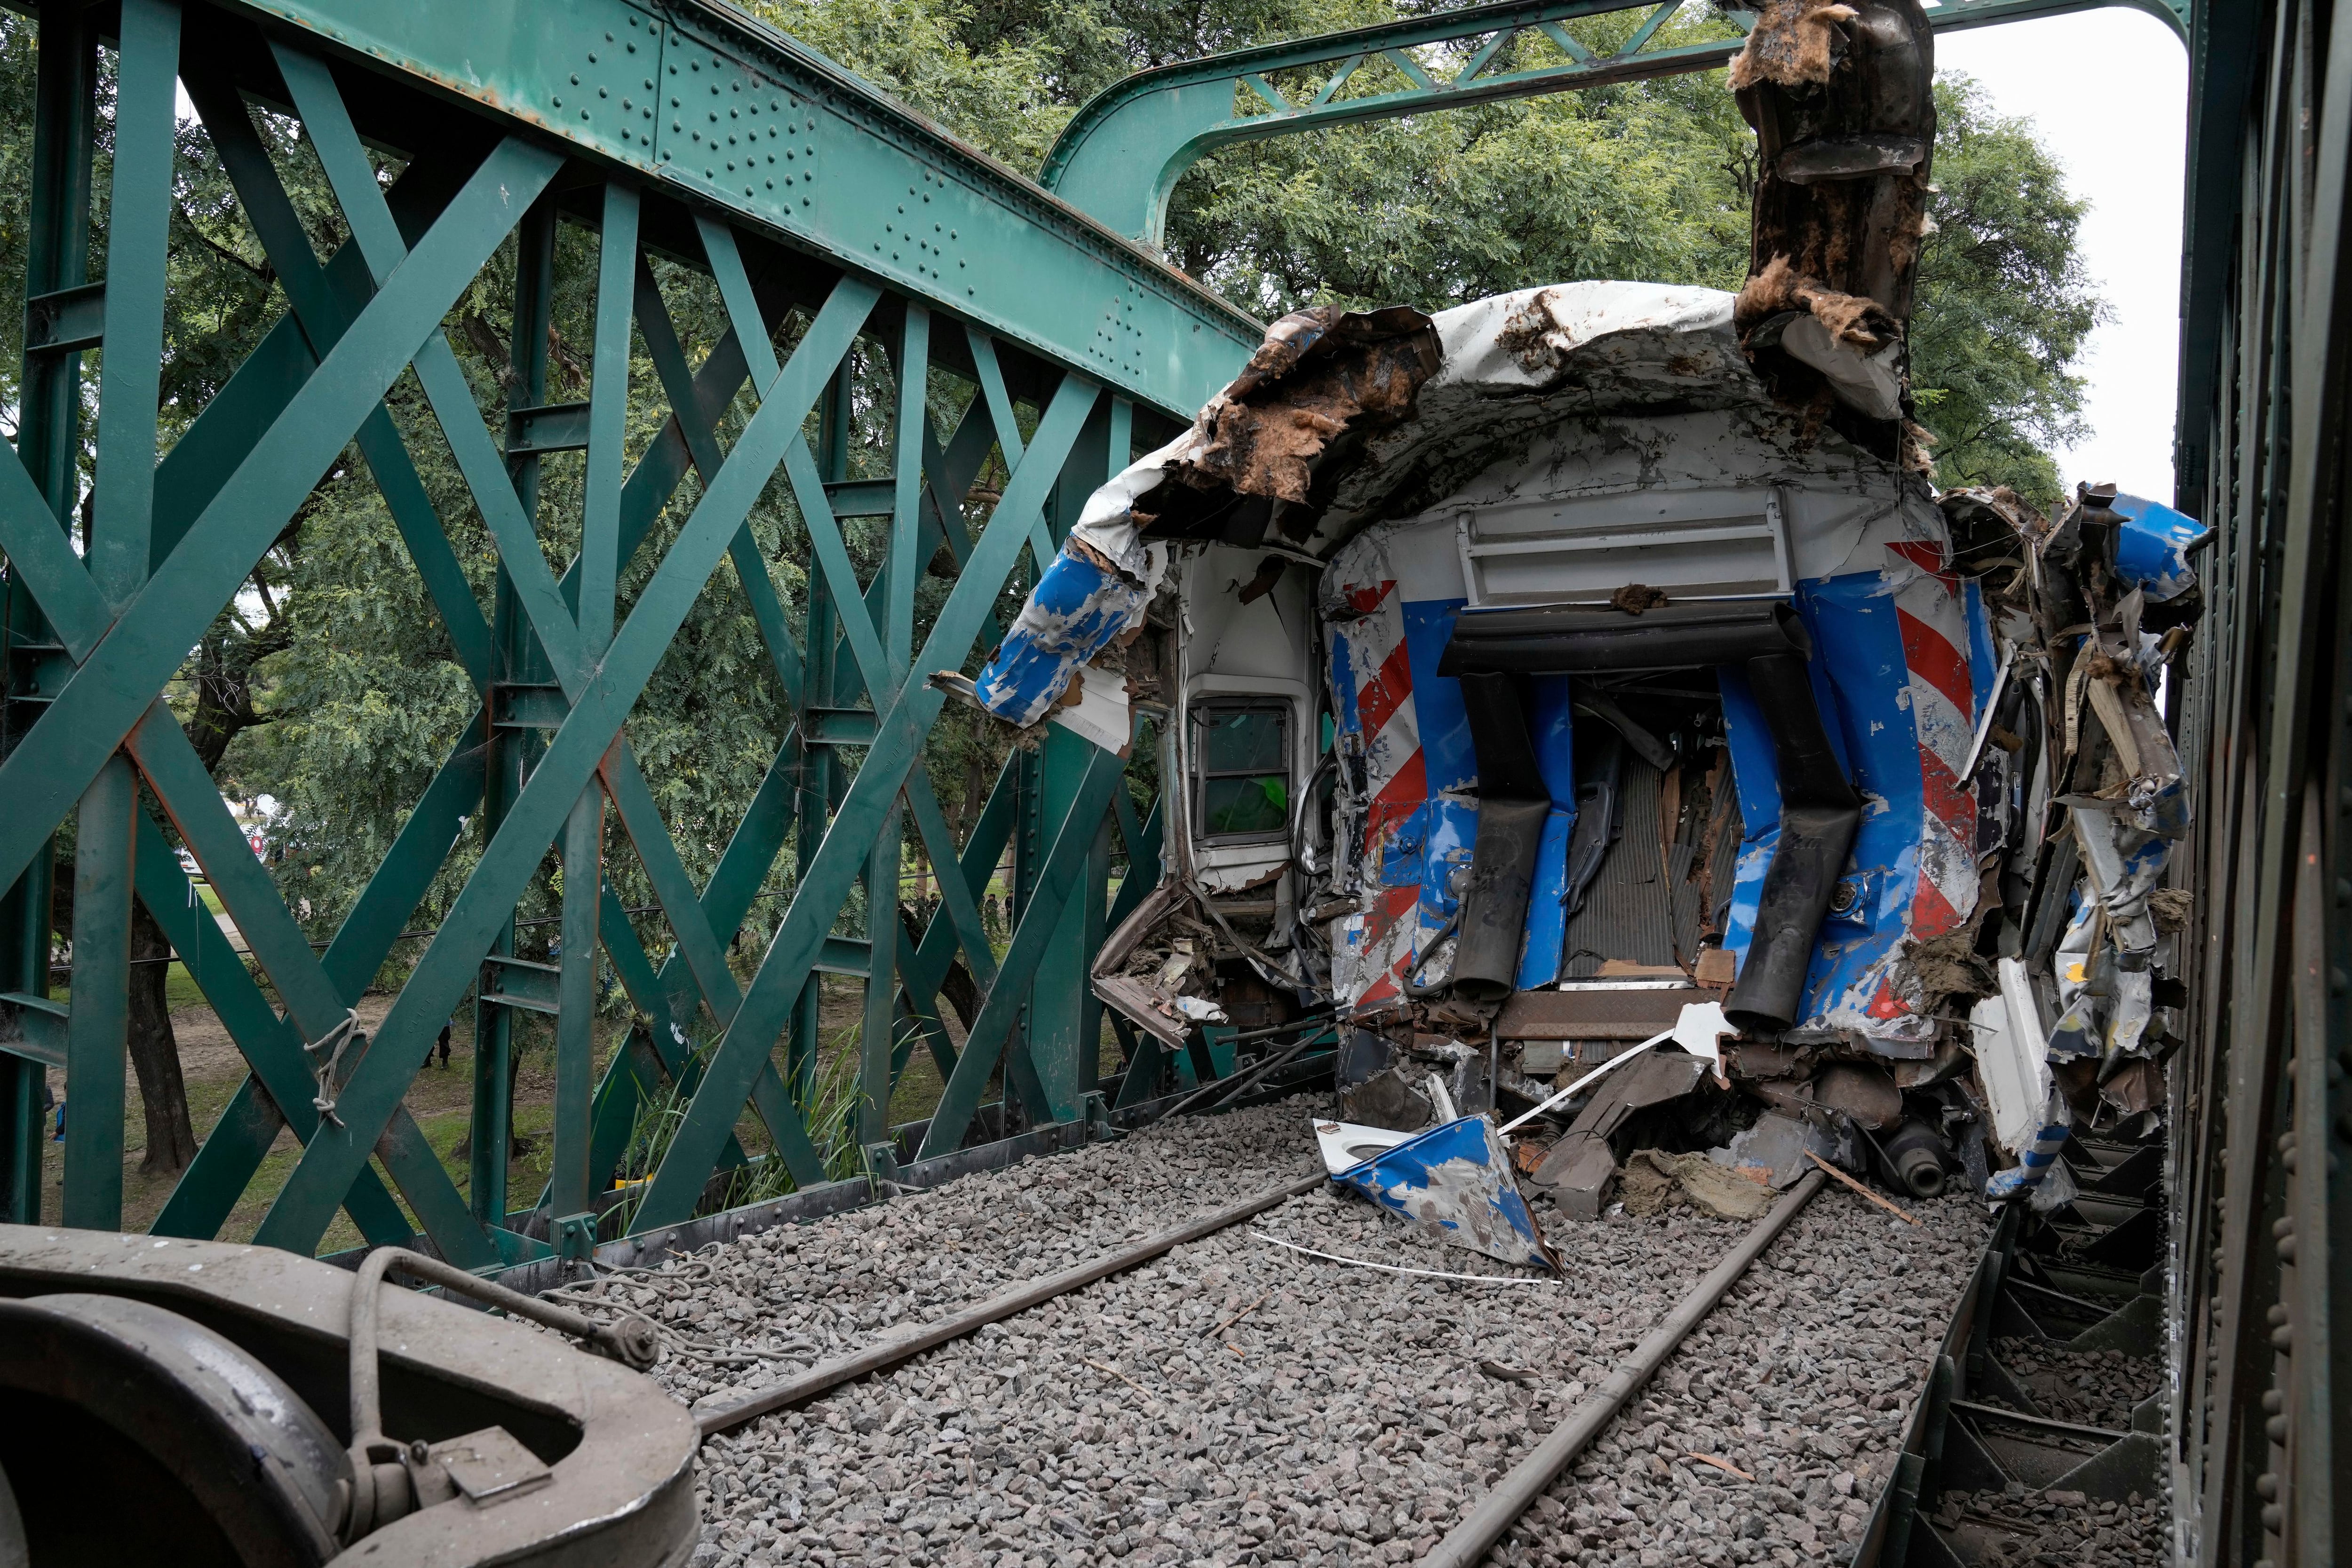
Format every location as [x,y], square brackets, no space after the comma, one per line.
[1457,1176]
[2152,547]
[1077,608]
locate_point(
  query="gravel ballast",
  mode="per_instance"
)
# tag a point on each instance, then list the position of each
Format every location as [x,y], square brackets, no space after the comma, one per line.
[1239,1401]
[2090,1387]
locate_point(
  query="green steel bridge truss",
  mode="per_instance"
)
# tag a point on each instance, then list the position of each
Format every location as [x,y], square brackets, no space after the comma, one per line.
[1122,154]
[813,205]
[2260,1318]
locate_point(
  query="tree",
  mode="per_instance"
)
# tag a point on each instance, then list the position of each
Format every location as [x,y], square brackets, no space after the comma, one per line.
[1646,181]
[2005,305]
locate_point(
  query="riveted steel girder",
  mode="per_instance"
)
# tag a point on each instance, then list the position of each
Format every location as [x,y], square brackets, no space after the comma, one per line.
[700,98]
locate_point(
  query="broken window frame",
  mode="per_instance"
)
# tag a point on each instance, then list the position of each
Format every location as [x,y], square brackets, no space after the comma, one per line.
[1204,712]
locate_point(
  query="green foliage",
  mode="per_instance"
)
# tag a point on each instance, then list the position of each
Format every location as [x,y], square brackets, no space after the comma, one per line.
[826,1098]
[2004,304]
[1644,180]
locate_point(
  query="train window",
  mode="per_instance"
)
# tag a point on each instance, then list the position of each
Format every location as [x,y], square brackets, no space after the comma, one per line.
[1243,762]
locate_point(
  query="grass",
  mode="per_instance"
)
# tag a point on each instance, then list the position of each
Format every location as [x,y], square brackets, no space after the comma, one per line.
[441,1102]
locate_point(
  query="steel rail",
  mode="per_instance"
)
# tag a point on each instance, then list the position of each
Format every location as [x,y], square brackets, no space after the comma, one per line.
[826,1375]
[1467,1542]
[2039,1423]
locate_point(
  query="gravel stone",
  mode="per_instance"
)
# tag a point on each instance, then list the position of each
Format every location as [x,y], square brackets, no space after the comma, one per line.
[2091,1387]
[2018,1527]
[1234,1402]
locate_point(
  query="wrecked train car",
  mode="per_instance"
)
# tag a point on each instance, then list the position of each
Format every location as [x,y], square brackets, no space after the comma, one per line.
[1531,671]
[1532,674]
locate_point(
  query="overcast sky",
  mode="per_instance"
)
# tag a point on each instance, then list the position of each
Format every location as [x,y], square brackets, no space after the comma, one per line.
[2123,150]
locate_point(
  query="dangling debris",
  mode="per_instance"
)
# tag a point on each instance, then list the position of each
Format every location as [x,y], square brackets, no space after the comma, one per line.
[1457,1177]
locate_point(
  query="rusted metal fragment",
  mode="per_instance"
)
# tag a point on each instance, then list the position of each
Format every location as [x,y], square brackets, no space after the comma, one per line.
[1617,1013]
[1793,44]
[1579,1167]
[1842,98]
[1863,1090]
[1386,1099]
[1127,973]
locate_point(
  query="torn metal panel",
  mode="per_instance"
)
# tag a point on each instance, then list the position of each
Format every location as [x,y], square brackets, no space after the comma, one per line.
[1578,1168]
[1457,1177]
[1776,1147]
[1346,1145]
[1101,714]
[2010,1045]
[2038,1165]
[2152,547]
[1083,601]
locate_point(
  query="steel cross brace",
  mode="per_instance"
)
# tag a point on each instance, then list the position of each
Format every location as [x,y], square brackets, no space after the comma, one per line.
[840,855]
[340,147]
[317,380]
[141,649]
[983,1046]
[570,762]
[548,604]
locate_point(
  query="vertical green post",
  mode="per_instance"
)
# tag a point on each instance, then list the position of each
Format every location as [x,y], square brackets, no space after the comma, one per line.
[881,979]
[97,1036]
[1031,840]
[1064,1054]
[904,566]
[512,750]
[1064,1025]
[608,415]
[813,804]
[138,222]
[56,254]
[575,1013]
[901,568]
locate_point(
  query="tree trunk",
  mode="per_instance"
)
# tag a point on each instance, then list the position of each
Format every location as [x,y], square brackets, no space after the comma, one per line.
[956,986]
[155,1053]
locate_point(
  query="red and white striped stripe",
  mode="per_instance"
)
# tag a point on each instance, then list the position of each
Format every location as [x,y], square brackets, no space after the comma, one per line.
[1395,777]
[1932,613]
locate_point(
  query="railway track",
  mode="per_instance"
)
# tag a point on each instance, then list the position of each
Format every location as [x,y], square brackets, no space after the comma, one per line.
[1112,1356]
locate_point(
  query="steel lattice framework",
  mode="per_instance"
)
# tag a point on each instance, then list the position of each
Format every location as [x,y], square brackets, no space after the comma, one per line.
[677,131]
[2261,1097]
